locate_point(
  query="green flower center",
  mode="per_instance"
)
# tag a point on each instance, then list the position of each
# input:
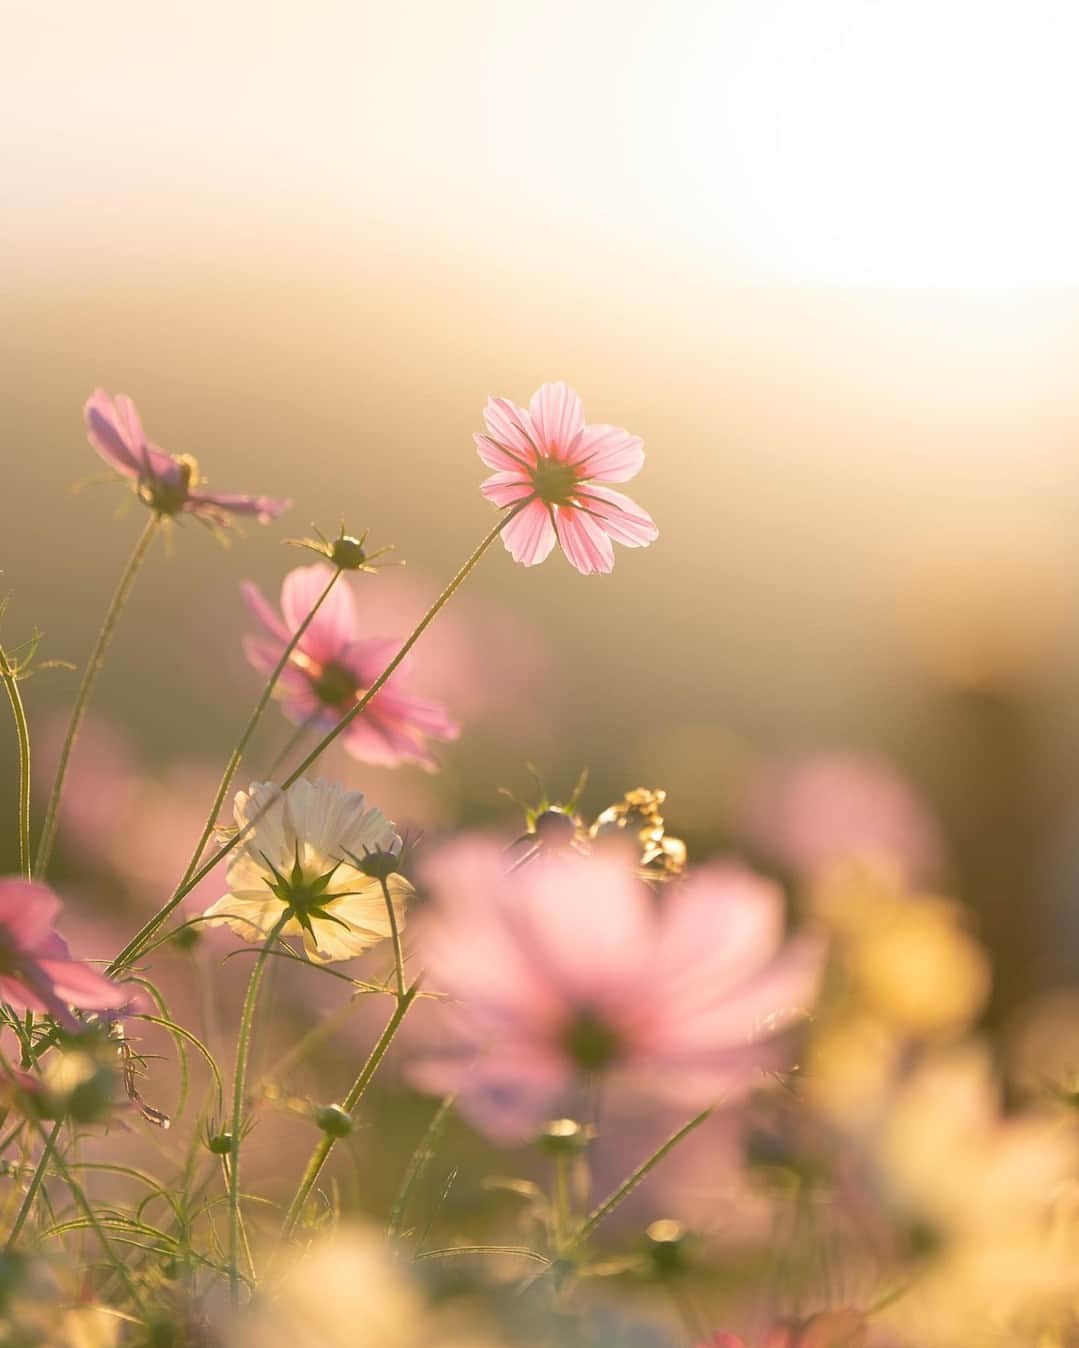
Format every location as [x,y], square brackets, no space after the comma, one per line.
[335,686]
[554,482]
[166,496]
[591,1042]
[304,895]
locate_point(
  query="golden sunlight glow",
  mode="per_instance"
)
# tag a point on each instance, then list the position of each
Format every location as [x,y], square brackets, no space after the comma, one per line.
[923,143]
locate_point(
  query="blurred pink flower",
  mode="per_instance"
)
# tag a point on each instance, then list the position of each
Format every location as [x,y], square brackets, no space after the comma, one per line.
[332,666]
[572,967]
[167,483]
[808,812]
[830,1329]
[547,456]
[37,972]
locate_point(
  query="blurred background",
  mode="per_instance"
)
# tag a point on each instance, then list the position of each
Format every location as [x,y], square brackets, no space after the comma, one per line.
[820,256]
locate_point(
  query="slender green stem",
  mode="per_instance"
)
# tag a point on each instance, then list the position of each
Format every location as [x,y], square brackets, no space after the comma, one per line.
[86,687]
[630,1183]
[351,1100]
[421,1159]
[135,946]
[249,729]
[417,632]
[22,728]
[118,1265]
[187,882]
[35,1185]
[243,1053]
[395,932]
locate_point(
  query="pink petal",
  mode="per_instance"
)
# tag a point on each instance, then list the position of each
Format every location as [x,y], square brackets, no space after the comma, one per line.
[557,417]
[621,518]
[105,428]
[722,925]
[501,458]
[19,995]
[79,985]
[27,911]
[263,610]
[334,626]
[586,923]
[608,453]
[510,427]
[530,536]
[222,505]
[584,541]
[506,489]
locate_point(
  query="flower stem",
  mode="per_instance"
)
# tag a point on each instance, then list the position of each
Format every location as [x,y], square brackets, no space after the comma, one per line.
[395,932]
[418,631]
[243,1053]
[351,1100]
[86,687]
[22,728]
[630,1183]
[35,1185]
[135,946]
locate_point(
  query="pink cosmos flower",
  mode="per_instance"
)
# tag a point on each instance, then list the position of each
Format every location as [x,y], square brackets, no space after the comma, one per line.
[571,967]
[810,811]
[167,483]
[830,1329]
[332,666]
[550,466]
[37,972]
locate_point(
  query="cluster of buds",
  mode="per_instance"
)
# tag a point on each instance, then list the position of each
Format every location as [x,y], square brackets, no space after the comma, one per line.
[638,815]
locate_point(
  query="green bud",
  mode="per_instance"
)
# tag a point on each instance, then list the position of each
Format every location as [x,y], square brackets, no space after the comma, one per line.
[667,1245]
[220,1143]
[333,1120]
[565,1137]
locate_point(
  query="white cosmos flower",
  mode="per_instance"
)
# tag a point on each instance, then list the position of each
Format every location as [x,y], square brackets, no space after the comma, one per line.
[297,856]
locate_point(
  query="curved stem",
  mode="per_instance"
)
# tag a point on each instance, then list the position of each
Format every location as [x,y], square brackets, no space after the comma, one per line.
[351,1100]
[243,1053]
[134,947]
[86,687]
[22,729]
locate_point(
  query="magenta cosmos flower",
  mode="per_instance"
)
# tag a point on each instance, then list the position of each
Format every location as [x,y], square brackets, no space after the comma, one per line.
[551,467]
[572,967]
[37,972]
[333,664]
[167,483]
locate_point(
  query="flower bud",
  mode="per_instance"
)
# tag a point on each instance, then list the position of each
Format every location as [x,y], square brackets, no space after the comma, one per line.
[565,1137]
[220,1143]
[333,1120]
[669,1247]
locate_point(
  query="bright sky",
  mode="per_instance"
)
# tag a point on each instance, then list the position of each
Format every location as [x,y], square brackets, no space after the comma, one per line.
[892,142]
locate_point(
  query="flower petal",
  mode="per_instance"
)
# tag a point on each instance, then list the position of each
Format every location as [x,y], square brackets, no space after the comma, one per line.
[506,489]
[608,453]
[510,427]
[27,911]
[530,536]
[557,418]
[261,608]
[334,626]
[107,428]
[583,541]
[621,518]
[501,458]
[221,506]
